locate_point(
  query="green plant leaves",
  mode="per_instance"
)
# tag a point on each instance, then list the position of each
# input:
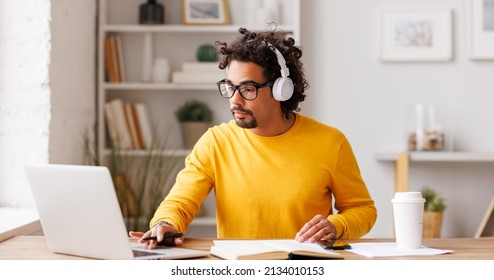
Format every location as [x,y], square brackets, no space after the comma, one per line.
[433,201]
[194,111]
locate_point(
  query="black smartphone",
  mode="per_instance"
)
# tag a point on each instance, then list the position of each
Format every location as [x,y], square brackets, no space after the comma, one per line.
[334,244]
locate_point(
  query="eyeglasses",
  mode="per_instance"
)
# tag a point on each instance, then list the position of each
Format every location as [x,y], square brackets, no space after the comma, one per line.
[248,91]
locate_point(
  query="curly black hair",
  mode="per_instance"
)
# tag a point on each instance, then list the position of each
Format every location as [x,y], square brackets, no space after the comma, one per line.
[254,47]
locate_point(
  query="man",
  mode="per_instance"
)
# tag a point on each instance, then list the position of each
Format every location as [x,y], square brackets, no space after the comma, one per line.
[274,171]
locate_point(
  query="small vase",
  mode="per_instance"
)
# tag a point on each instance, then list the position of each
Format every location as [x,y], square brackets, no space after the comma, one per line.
[147,57]
[151,13]
[206,53]
[161,70]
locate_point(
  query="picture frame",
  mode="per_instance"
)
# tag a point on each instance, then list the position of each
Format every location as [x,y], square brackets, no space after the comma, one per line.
[416,35]
[480,24]
[205,12]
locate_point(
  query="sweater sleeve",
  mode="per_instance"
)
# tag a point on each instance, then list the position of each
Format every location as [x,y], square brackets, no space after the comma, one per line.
[192,185]
[356,213]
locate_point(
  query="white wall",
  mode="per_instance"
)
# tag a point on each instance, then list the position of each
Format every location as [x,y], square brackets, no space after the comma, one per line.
[72,77]
[24,94]
[47,87]
[372,103]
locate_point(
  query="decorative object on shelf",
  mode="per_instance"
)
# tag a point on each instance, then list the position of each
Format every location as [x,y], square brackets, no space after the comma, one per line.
[141,182]
[480,20]
[206,53]
[434,207]
[428,137]
[207,73]
[194,117]
[410,35]
[161,70]
[205,12]
[151,13]
[147,57]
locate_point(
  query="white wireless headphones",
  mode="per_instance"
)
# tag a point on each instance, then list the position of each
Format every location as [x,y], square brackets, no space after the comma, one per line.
[283,86]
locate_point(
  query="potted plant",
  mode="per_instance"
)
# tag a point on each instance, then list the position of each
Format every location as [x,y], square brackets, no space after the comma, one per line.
[141,179]
[194,117]
[433,212]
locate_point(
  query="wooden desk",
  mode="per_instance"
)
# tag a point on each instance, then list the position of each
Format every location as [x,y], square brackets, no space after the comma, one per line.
[35,248]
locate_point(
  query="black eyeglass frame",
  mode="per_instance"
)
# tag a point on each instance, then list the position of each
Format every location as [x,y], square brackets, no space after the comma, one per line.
[237,88]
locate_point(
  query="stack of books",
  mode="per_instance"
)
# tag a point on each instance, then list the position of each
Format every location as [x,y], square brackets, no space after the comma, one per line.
[114,63]
[198,72]
[128,124]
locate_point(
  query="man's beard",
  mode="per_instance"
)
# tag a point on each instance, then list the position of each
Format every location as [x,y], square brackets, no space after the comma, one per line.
[242,123]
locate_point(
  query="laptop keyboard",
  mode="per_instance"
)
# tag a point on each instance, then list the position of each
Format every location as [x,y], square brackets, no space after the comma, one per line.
[139,253]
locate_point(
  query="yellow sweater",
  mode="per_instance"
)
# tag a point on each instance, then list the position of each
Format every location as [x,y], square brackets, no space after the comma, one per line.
[269,187]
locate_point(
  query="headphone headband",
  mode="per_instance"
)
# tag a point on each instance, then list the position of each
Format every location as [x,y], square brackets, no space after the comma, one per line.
[281,61]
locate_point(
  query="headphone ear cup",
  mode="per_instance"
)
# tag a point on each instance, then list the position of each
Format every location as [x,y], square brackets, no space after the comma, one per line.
[282,89]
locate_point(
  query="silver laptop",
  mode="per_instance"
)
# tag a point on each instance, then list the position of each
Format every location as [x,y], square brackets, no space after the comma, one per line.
[80,215]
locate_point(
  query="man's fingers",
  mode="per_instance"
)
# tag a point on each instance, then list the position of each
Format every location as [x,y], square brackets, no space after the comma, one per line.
[317,228]
[136,234]
[314,221]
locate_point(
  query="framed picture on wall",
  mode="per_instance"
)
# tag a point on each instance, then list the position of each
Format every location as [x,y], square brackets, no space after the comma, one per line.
[480,19]
[411,35]
[205,12]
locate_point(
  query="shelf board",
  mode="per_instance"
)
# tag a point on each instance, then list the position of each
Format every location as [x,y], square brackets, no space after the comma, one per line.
[440,157]
[174,28]
[143,153]
[158,86]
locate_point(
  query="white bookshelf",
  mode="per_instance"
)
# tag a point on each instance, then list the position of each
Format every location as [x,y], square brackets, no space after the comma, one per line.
[175,28]
[158,86]
[403,160]
[440,157]
[178,43]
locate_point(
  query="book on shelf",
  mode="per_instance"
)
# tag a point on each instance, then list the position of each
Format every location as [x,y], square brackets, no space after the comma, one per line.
[114,58]
[135,119]
[128,124]
[196,77]
[111,122]
[274,249]
[109,71]
[117,123]
[201,67]
[145,125]
[198,72]
[114,65]
[121,65]
[132,126]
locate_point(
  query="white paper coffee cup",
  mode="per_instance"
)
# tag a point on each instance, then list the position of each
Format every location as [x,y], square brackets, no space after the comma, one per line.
[408,212]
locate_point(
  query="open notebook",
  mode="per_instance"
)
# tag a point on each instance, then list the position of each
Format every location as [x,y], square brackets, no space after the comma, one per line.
[274,249]
[80,214]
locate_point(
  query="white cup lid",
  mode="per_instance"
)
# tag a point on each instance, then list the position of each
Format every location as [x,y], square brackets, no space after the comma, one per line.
[408,197]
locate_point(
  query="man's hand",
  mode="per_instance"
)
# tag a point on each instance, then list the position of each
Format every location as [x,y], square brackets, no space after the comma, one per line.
[318,228]
[158,230]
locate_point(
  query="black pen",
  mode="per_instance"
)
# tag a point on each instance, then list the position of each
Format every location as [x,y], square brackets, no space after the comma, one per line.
[168,235]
